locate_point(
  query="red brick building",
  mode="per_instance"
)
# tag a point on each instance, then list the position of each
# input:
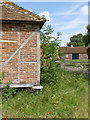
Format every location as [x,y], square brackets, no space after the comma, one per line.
[74,53]
[19,45]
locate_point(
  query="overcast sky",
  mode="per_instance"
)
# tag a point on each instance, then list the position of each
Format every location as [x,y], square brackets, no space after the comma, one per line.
[69,18]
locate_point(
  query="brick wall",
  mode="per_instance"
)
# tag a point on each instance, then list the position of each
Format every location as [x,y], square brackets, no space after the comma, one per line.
[25,59]
[0,44]
[68,56]
[83,56]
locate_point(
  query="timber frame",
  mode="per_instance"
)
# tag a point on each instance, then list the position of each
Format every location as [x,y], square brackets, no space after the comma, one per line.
[18,84]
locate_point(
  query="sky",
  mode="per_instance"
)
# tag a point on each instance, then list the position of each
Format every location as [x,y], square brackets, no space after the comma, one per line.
[69,18]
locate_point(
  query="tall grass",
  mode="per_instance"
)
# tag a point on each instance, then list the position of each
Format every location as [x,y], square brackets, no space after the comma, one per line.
[63,99]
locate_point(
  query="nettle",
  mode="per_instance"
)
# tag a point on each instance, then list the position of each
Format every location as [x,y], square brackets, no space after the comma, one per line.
[49,54]
[7,92]
[1,77]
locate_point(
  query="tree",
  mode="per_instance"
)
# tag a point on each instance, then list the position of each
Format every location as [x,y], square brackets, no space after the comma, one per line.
[76,41]
[86,40]
[49,47]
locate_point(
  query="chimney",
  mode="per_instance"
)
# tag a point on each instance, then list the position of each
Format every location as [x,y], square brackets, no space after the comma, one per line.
[89,45]
[72,46]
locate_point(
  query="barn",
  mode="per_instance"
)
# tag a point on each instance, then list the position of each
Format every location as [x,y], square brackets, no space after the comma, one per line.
[19,45]
[71,53]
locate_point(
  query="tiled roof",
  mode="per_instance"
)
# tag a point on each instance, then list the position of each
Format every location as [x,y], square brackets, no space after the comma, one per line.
[11,11]
[70,50]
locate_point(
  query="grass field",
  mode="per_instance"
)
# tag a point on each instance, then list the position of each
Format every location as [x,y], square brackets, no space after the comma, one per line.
[79,60]
[83,64]
[68,98]
[89,100]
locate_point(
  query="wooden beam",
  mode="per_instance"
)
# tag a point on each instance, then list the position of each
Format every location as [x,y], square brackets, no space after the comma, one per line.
[19,62]
[18,49]
[28,62]
[7,41]
[18,85]
[38,55]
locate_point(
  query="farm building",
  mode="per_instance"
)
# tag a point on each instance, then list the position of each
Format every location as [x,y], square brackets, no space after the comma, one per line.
[74,53]
[20,45]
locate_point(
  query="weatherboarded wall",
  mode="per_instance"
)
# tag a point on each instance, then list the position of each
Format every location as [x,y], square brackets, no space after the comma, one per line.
[24,66]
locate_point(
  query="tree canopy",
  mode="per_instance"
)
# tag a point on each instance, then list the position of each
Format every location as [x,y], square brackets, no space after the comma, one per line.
[86,40]
[76,41]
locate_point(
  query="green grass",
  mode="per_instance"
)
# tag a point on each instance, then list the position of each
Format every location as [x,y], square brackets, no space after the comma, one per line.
[78,60]
[81,63]
[89,100]
[65,99]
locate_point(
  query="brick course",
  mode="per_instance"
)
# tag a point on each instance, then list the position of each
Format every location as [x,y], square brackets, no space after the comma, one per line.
[69,56]
[83,56]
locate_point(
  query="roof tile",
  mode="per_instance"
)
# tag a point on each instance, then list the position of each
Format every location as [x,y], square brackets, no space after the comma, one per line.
[11,11]
[70,50]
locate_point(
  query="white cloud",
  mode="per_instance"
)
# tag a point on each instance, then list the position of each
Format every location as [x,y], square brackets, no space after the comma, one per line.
[66,37]
[46,14]
[81,20]
[72,24]
[72,11]
[65,13]
[76,10]
[64,44]
[84,30]
[58,23]
[30,10]
[84,10]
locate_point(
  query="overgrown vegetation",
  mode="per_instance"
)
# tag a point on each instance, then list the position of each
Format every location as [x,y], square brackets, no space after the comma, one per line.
[81,40]
[8,92]
[62,94]
[1,77]
[79,64]
[62,99]
[76,41]
[49,48]
[86,40]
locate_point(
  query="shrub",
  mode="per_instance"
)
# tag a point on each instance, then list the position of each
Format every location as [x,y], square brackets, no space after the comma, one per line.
[8,92]
[1,77]
[49,48]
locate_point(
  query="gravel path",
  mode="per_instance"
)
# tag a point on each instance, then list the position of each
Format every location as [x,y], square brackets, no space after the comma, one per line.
[71,69]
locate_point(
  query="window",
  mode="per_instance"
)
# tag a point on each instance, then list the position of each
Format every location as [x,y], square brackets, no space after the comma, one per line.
[66,55]
[75,55]
[85,56]
[80,55]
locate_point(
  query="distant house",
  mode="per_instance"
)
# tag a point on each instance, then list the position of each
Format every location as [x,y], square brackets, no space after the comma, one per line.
[74,53]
